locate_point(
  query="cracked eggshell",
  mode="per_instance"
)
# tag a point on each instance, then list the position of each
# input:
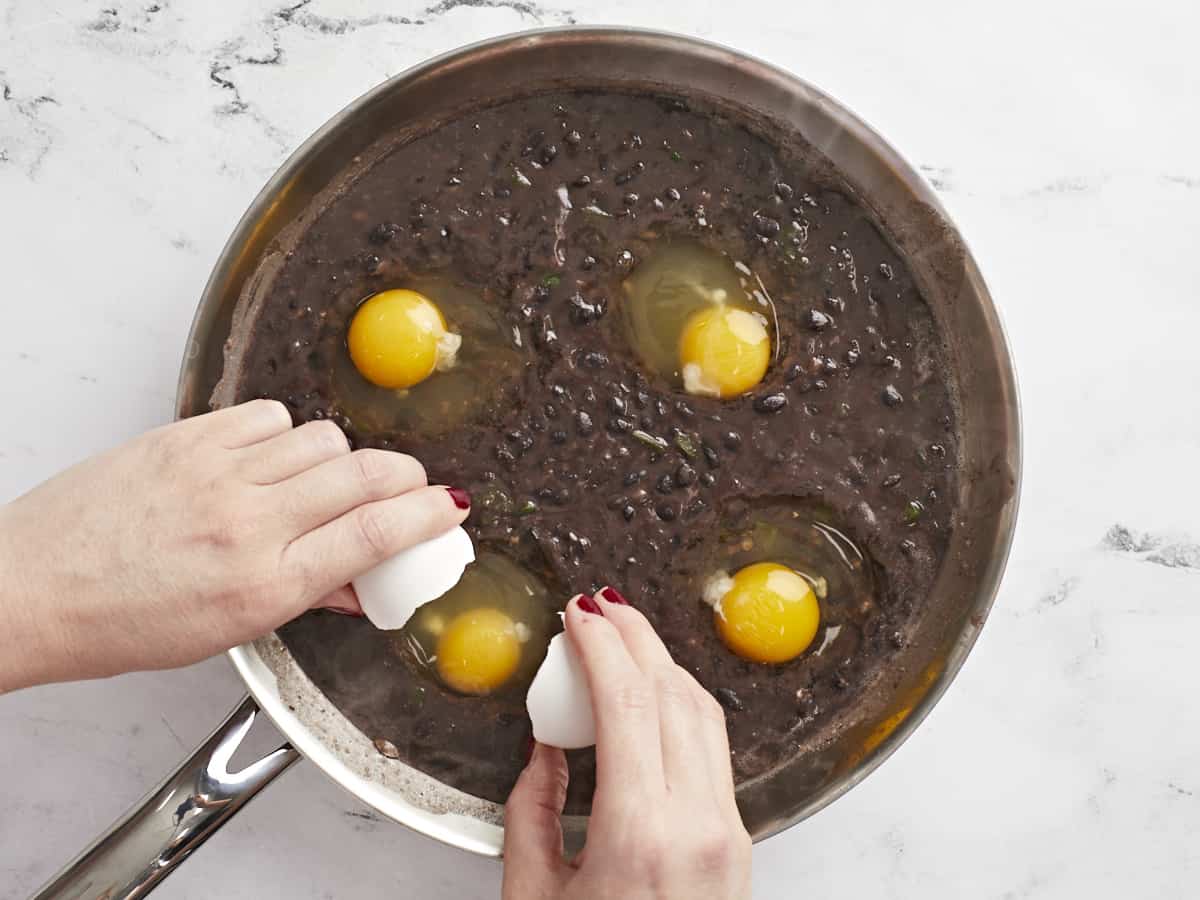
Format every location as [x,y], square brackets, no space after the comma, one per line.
[391,592]
[559,703]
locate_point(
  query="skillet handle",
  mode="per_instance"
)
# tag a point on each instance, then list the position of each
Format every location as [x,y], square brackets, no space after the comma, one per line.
[161,831]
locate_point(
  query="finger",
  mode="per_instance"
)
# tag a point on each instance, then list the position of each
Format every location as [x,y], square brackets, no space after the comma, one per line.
[678,712]
[324,492]
[337,552]
[247,423]
[294,451]
[628,757]
[343,601]
[533,837]
[642,641]
[712,738]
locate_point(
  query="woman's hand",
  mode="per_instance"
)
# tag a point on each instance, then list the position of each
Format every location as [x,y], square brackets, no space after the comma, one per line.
[664,824]
[199,536]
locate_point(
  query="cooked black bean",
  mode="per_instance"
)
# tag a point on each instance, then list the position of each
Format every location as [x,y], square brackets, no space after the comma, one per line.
[584,311]
[684,475]
[728,698]
[765,226]
[383,232]
[665,484]
[732,440]
[770,403]
[666,512]
[583,423]
[619,425]
[712,457]
[891,396]
[816,320]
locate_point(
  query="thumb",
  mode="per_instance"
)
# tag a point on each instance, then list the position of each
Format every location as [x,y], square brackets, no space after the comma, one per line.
[533,838]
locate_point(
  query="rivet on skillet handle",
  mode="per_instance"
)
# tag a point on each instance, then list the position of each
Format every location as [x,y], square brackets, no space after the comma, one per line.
[146,844]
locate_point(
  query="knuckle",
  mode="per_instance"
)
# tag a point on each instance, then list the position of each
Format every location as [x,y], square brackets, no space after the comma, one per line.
[672,688]
[647,853]
[372,469]
[227,531]
[413,470]
[718,850]
[373,531]
[633,697]
[270,410]
[545,787]
[327,436]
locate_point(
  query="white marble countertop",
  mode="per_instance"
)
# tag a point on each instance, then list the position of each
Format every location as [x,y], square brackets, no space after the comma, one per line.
[1063,137]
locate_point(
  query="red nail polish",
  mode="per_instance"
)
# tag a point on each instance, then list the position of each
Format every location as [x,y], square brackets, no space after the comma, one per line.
[353,613]
[588,605]
[460,497]
[612,595]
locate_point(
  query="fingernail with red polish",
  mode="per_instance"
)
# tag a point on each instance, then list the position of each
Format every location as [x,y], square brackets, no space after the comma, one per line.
[612,595]
[353,613]
[460,497]
[588,605]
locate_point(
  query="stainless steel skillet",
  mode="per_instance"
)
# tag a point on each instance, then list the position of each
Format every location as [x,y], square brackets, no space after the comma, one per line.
[162,830]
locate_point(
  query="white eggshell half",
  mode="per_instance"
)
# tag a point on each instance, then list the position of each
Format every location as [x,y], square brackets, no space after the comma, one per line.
[559,703]
[391,592]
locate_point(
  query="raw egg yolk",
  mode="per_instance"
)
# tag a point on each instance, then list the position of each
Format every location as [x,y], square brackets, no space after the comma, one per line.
[723,352]
[768,614]
[478,651]
[398,338]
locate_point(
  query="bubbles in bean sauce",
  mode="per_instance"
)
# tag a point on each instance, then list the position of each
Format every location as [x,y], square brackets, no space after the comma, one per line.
[485,359]
[698,319]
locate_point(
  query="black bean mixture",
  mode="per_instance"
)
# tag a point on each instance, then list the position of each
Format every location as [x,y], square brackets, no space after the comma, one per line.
[588,471]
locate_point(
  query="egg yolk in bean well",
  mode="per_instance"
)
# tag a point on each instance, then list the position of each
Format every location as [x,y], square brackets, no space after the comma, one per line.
[399,338]
[766,613]
[723,351]
[478,651]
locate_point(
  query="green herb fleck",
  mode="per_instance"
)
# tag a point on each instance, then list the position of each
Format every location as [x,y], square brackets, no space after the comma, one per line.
[527,508]
[676,156]
[650,440]
[686,445]
[913,511]
[551,280]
